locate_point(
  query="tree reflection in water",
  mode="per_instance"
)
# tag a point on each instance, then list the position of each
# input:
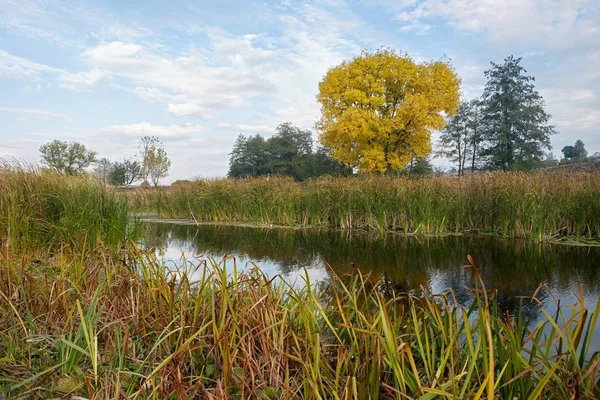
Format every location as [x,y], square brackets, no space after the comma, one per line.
[515,268]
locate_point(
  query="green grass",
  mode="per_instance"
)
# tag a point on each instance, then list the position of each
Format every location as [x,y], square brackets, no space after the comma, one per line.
[43,209]
[101,329]
[537,205]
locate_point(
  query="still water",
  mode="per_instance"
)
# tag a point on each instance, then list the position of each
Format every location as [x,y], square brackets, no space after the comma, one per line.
[404,264]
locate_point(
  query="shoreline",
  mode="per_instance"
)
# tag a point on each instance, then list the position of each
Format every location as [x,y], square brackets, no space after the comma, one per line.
[563,241]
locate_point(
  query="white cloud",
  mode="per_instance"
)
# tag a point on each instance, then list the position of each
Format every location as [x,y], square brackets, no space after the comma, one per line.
[15,67]
[20,149]
[81,80]
[122,31]
[42,113]
[210,87]
[161,131]
[416,26]
[241,51]
[582,95]
[110,54]
[247,128]
[186,110]
[554,23]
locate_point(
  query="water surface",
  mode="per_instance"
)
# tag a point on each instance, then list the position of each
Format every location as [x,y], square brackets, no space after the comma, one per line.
[403,264]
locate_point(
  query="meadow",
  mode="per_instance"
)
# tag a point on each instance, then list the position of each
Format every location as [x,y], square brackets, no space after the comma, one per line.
[539,205]
[85,312]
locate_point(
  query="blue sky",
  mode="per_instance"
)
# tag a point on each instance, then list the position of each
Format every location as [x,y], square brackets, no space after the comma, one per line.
[198,73]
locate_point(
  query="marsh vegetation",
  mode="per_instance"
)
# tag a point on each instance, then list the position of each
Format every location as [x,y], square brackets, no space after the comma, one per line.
[84,311]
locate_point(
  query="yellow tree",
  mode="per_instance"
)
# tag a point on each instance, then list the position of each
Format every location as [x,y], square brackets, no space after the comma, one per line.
[379,109]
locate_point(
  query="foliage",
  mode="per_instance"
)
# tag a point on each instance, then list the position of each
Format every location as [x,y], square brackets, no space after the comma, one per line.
[576,152]
[461,139]
[68,158]
[99,328]
[248,157]
[517,124]
[378,109]
[155,162]
[539,205]
[102,169]
[454,141]
[420,167]
[288,153]
[579,149]
[125,173]
[323,164]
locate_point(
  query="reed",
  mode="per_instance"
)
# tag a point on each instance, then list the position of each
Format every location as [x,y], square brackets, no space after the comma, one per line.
[43,209]
[124,326]
[539,205]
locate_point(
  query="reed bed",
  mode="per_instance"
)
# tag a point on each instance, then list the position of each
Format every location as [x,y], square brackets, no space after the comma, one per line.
[125,327]
[43,209]
[539,205]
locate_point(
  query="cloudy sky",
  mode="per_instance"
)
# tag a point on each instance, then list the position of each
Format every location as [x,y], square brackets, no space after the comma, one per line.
[198,73]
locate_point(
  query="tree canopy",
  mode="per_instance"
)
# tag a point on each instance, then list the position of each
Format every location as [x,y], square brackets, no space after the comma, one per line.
[125,173]
[155,163]
[289,152]
[69,158]
[518,126]
[576,152]
[461,139]
[379,109]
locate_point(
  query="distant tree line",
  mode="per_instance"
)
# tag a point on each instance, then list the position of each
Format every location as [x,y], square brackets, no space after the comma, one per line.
[575,153]
[73,158]
[289,152]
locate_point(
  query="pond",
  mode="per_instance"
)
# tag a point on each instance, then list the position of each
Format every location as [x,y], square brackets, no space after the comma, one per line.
[515,268]
[404,264]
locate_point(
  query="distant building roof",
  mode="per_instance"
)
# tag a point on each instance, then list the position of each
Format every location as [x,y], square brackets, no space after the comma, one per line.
[595,155]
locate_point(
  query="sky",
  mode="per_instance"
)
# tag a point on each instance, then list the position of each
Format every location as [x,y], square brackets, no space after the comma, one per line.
[196,74]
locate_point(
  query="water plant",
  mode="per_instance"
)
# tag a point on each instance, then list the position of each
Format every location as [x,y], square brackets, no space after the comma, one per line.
[125,326]
[539,205]
[40,208]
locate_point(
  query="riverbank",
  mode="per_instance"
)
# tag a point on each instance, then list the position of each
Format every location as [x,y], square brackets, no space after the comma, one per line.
[103,329]
[561,240]
[538,205]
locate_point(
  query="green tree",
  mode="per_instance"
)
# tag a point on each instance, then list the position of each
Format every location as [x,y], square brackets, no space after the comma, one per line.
[102,169]
[419,166]
[455,139]
[517,124]
[155,163]
[323,164]
[461,139]
[69,158]
[125,173]
[379,109]
[575,153]
[476,131]
[289,153]
[579,149]
[248,157]
[568,152]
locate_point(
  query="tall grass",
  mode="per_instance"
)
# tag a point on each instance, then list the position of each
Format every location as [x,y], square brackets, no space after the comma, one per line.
[537,205]
[43,209]
[123,327]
